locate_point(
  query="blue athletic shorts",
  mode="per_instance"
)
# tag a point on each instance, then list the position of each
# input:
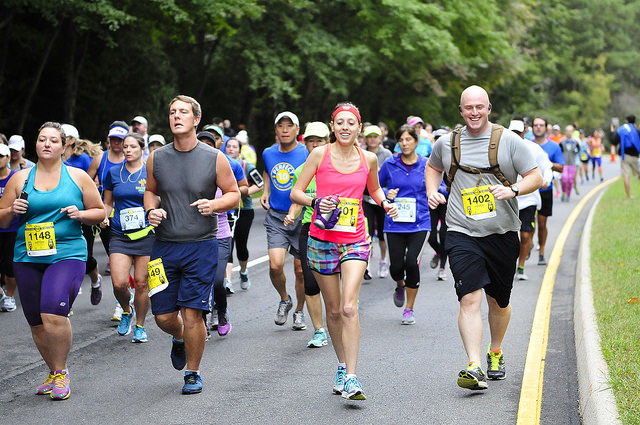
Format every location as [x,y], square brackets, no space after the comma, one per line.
[190,268]
[326,257]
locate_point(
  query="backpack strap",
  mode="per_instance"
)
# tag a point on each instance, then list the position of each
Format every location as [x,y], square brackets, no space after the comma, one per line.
[455,158]
[494,143]
[494,167]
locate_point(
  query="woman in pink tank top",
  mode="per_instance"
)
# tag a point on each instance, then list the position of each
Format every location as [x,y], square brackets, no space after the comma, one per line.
[340,249]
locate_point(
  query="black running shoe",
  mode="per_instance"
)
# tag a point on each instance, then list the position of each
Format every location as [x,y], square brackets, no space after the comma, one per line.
[178,355]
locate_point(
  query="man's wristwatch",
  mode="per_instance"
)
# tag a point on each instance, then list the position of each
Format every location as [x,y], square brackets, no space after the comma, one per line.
[515,189]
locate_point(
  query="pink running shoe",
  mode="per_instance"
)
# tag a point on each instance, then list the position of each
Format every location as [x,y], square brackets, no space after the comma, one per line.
[60,388]
[45,388]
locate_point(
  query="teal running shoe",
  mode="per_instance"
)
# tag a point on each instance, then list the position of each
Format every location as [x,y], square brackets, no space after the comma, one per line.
[338,384]
[124,327]
[353,390]
[139,335]
[319,339]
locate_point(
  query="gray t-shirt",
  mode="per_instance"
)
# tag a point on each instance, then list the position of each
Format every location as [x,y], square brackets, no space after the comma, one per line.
[513,158]
[183,178]
[383,154]
[570,150]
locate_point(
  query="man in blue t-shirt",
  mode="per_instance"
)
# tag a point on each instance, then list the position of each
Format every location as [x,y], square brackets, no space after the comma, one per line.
[629,139]
[280,163]
[557,164]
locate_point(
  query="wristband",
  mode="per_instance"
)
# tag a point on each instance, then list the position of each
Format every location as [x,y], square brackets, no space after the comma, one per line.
[313,202]
[382,202]
[147,213]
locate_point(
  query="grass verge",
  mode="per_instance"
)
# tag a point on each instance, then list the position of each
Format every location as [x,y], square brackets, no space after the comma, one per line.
[615,275]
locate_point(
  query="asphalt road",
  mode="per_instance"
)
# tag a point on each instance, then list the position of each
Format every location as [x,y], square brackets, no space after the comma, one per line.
[263,373]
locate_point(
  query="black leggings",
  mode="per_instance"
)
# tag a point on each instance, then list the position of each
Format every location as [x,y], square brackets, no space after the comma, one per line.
[311,287]
[219,291]
[87,231]
[439,214]
[405,250]
[241,234]
[375,219]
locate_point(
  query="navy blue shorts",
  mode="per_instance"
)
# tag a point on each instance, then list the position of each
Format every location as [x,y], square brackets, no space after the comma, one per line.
[487,263]
[190,268]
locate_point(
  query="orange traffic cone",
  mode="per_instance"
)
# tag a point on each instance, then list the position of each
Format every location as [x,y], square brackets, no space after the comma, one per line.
[613,154]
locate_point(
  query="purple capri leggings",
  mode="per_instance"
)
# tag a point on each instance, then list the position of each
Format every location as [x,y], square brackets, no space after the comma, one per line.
[48,288]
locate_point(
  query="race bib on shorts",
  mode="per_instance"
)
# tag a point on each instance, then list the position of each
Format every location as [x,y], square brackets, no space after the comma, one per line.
[349,208]
[157,277]
[479,203]
[406,210]
[40,239]
[132,218]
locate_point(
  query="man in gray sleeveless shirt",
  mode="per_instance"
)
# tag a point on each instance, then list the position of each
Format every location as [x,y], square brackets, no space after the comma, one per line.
[180,203]
[482,237]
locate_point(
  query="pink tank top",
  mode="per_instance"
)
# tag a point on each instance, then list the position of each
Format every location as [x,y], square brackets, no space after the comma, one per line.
[349,187]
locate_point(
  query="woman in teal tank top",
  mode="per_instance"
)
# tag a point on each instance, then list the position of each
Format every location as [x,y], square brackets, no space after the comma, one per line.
[52,200]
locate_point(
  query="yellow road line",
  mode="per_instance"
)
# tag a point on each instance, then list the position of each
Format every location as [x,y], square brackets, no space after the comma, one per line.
[533,378]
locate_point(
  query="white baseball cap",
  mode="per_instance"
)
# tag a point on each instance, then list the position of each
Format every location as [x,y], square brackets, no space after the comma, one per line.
[4,150]
[516,125]
[242,136]
[70,131]
[141,120]
[16,142]
[316,128]
[286,114]
[157,138]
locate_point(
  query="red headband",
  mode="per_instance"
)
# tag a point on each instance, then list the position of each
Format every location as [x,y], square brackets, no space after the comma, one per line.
[347,108]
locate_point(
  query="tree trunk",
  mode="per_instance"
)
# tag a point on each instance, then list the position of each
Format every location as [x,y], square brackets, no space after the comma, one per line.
[207,67]
[36,81]
[75,61]
[5,28]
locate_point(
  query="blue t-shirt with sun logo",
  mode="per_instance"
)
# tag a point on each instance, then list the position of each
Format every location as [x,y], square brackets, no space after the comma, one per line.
[128,198]
[281,166]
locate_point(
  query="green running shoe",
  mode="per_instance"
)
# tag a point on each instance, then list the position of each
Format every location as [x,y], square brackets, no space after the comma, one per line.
[472,378]
[495,365]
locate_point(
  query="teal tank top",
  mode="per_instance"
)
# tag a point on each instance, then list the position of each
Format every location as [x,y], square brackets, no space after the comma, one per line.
[44,207]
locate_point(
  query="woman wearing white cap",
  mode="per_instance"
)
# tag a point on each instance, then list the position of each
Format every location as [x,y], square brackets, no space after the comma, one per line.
[80,154]
[99,168]
[247,152]
[316,134]
[7,239]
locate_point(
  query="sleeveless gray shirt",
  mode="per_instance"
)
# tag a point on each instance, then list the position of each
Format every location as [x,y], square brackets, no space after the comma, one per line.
[182,178]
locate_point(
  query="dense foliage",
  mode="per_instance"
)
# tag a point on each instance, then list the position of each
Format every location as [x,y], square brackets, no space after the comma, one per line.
[90,62]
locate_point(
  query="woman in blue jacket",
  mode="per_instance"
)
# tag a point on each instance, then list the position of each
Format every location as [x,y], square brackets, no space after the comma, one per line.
[403,177]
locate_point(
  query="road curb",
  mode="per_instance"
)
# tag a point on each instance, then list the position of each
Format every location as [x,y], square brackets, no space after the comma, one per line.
[597,402]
